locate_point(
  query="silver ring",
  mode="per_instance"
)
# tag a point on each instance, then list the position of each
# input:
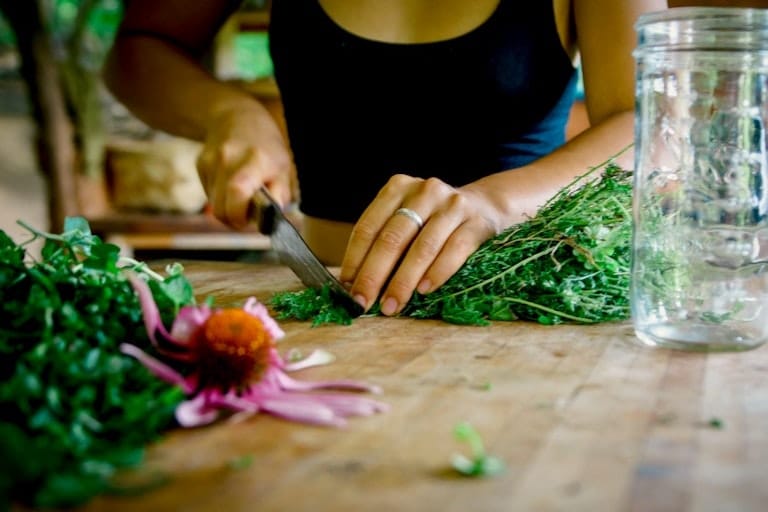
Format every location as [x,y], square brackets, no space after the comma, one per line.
[415,217]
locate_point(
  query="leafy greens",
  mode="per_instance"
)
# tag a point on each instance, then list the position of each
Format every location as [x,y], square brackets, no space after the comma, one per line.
[73,409]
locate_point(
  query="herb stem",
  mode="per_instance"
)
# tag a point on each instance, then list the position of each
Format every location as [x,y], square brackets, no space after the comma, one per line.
[500,275]
[141,266]
[549,310]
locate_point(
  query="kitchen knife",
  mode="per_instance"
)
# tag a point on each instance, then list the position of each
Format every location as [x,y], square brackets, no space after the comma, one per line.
[294,252]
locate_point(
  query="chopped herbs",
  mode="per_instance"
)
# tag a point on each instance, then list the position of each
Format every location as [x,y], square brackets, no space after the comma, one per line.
[480,464]
[316,304]
[715,423]
[294,355]
[570,263]
[242,462]
[73,409]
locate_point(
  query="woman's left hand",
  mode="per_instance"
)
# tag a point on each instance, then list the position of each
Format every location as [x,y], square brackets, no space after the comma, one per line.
[424,249]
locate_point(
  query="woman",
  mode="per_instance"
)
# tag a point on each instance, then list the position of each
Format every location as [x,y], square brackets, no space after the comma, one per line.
[419,128]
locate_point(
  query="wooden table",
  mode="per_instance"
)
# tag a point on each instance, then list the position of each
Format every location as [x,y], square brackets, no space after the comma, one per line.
[583,416]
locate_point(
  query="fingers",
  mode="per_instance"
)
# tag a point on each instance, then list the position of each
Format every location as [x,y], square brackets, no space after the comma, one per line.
[232,175]
[438,251]
[390,244]
[244,149]
[425,249]
[206,169]
[390,251]
[372,221]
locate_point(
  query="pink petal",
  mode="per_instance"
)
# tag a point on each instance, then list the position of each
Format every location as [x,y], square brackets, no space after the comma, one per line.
[241,416]
[232,401]
[296,408]
[189,319]
[161,370]
[348,405]
[243,407]
[316,358]
[152,321]
[196,412]
[151,314]
[275,359]
[291,384]
[260,311]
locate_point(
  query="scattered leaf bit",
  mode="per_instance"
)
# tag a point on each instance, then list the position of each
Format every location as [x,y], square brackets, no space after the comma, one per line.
[485,386]
[665,418]
[242,462]
[716,423]
[294,355]
[480,464]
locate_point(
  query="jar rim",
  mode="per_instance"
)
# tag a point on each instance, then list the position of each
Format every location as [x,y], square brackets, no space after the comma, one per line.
[704,28]
[753,16]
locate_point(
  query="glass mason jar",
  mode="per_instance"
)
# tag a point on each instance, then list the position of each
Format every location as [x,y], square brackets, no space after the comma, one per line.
[700,241]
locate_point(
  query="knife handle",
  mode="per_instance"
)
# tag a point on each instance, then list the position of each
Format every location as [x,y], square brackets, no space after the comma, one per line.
[263,210]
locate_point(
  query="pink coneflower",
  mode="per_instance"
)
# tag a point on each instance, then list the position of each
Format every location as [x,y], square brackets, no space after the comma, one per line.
[236,367]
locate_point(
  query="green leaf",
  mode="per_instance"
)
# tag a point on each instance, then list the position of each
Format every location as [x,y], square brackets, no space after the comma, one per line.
[242,462]
[482,467]
[77,224]
[480,464]
[178,289]
[68,489]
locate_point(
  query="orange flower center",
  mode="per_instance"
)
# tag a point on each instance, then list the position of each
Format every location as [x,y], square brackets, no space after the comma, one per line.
[233,348]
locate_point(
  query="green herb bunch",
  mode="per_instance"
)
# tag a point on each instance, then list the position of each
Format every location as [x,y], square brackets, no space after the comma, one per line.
[73,409]
[569,263]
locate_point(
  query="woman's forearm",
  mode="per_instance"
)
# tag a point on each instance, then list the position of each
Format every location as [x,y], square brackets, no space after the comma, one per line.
[167,89]
[519,193]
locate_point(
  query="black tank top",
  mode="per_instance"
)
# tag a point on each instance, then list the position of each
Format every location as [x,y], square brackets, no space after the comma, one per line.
[359,111]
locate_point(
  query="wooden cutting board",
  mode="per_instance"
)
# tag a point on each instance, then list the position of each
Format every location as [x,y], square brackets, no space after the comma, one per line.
[584,417]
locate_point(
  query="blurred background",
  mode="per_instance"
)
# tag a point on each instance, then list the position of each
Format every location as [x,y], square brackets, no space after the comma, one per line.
[68,148]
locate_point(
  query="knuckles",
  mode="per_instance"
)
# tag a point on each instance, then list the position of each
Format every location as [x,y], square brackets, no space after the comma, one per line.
[236,186]
[400,289]
[366,282]
[390,240]
[231,152]
[463,244]
[435,187]
[457,201]
[364,231]
[398,181]
[426,248]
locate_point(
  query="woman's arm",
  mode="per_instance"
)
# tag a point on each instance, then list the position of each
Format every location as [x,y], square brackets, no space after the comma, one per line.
[459,220]
[153,68]
[606,38]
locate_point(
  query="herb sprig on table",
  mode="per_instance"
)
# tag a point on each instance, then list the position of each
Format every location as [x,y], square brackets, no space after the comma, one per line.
[569,263]
[479,464]
[73,409]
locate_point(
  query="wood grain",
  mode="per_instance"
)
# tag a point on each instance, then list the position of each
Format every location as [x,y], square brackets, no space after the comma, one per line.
[584,417]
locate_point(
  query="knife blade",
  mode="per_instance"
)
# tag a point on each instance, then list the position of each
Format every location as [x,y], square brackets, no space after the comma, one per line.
[293,251]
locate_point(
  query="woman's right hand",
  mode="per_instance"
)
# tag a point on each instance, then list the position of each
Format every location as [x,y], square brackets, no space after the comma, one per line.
[154,68]
[243,150]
